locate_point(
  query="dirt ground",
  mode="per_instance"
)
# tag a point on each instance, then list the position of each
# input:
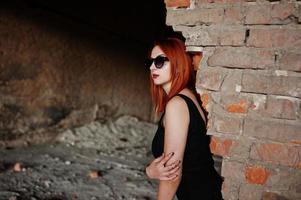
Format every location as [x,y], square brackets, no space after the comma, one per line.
[57,171]
[103,160]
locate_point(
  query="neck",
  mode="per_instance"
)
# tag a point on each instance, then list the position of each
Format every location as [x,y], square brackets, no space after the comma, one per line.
[166,87]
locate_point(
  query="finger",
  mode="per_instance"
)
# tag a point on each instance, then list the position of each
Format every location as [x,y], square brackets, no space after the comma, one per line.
[172,165]
[174,178]
[159,158]
[171,172]
[167,157]
[164,179]
[168,168]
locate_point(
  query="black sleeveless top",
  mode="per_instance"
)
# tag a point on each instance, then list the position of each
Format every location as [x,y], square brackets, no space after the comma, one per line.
[199,177]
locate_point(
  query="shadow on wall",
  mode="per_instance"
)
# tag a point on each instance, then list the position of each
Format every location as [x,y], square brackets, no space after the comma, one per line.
[64,64]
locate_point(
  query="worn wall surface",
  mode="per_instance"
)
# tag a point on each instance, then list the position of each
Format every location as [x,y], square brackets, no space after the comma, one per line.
[250,82]
[57,71]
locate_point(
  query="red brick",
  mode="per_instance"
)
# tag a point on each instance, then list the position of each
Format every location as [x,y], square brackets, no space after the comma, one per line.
[252,82]
[220,146]
[200,2]
[283,108]
[230,188]
[211,78]
[299,13]
[233,170]
[283,10]
[235,103]
[196,59]
[228,1]
[248,58]
[250,192]
[204,1]
[205,100]
[202,36]
[232,82]
[240,150]
[258,102]
[258,14]
[209,124]
[282,178]
[271,84]
[213,35]
[229,125]
[274,37]
[233,15]
[275,130]
[232,36]
[282,154]
[256,175]
[177,3]
[269,14]
[299,113]
[195,16]
[296,141]
[285,85]
[273,196]
[290,61]
[239,107]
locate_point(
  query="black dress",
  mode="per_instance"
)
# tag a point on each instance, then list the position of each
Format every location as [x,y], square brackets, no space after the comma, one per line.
[200,180]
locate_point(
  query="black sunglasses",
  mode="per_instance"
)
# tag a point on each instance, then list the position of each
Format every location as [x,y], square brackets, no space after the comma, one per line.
[158,61]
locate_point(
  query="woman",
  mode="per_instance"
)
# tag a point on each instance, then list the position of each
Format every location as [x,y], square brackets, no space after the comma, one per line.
[183,164]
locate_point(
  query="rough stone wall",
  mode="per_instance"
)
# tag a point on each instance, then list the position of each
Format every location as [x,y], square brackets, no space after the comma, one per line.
[250,82]
[56,74]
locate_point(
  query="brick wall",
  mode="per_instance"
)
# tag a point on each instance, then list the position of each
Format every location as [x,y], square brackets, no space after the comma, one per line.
[250,82]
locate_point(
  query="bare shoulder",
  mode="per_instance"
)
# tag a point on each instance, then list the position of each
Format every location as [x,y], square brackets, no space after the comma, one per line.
[176,105]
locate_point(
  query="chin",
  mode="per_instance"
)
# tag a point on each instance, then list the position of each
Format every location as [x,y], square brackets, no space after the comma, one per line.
[156,82]
[160,82]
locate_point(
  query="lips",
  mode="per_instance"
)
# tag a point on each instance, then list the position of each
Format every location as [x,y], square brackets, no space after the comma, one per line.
[154,76]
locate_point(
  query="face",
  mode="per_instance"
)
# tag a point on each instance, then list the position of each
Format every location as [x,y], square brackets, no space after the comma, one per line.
[161,76]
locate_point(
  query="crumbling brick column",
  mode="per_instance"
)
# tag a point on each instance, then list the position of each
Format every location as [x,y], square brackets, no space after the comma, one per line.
[250,82]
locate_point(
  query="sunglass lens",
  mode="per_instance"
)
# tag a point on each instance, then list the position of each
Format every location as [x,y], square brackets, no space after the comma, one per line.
[159,62]
[148,62]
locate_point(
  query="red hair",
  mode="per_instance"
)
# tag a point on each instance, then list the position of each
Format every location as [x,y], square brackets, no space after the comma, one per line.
[182,73]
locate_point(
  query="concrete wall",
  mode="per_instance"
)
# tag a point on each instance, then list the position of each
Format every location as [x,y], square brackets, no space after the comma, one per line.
[56,72]
[250,83]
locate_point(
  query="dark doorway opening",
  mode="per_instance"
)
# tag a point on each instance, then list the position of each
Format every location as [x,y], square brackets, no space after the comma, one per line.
[76,68]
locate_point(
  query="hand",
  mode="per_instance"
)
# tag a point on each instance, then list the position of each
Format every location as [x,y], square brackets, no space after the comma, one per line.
[158,169]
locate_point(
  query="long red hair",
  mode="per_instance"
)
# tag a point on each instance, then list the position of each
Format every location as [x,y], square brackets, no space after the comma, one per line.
[182,73]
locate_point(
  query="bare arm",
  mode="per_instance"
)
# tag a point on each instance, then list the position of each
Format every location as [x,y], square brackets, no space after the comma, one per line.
[176,128]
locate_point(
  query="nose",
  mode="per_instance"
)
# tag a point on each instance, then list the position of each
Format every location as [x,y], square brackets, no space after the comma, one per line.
[152,67]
